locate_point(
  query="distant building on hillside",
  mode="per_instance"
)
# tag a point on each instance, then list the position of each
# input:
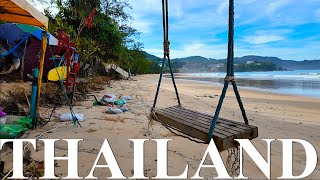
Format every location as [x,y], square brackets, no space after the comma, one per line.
[220,65]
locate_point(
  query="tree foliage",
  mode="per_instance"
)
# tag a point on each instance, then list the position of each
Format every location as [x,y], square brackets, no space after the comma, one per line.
[109,40]
[263,66]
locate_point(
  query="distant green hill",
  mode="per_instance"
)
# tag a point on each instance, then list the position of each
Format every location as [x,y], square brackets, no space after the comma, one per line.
[285,64]
[152,57]
[194,59]
[202,64]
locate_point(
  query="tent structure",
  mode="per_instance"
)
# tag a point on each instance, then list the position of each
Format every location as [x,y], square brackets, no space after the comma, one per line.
[29,54]
[21,11]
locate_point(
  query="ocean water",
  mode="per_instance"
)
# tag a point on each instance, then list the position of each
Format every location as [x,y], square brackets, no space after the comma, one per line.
[298,82]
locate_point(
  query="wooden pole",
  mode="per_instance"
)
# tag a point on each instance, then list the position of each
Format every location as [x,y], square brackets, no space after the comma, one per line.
[22,60]
[41,64]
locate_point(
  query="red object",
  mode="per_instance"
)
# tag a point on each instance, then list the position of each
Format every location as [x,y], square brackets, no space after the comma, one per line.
[65,48]
[90,17]
[76,67]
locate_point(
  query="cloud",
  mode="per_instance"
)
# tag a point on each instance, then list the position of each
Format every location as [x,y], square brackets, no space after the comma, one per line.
[262,39]
[318,13]
[144,27]
[308,51]
[267,36]
[145,6]
[156,52]
[194,49]
[273,7]
[223,7]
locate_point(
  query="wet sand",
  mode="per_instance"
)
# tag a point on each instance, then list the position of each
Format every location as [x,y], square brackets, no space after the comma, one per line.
[277,116]
[296,86]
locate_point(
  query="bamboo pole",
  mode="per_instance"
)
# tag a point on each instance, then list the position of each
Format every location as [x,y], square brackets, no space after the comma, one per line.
[41,64]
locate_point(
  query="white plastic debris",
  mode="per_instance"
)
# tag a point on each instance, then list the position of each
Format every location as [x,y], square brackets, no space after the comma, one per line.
[113,110]
[126,97]
[109,98]
[68,117]
[124,108]
[3,120]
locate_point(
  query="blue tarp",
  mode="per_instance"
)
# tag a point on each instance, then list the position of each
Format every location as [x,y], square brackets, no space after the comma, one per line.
[13,32]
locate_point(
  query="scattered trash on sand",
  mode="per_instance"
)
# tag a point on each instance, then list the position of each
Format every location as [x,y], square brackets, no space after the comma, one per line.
[25,122]
[115,106]
[16,128]
[126,98]
[120,102]
[69,117]
[11,131]
[109,98]
[113,110]
[124,108]
[97,102]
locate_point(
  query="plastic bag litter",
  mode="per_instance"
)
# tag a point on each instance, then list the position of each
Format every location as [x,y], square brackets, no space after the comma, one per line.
[124,108]
[120,102]
[11,131]
[126,97]
[109,98]
[24,122]
[3,120]
[68,117]
[113,110]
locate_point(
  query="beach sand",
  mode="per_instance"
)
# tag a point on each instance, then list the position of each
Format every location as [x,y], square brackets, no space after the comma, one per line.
[277,117]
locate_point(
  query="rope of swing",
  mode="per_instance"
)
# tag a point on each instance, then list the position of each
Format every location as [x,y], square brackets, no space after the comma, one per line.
[166,55]
[230,75]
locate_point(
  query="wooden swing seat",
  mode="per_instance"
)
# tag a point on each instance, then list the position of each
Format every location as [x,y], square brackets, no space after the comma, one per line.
[197,125]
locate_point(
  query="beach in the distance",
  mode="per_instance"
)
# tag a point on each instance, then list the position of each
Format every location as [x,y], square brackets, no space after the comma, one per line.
[298,82]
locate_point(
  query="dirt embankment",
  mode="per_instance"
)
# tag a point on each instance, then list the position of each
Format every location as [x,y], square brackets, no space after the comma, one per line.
[15,97]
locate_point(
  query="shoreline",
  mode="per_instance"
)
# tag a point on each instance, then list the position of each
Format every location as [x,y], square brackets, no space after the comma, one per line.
[252,89]
[277,86]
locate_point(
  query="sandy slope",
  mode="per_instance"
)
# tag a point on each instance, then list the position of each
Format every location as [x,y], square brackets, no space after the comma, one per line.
[277,116]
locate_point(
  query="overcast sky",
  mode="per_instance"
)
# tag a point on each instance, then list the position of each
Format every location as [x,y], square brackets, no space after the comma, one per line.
[288,29]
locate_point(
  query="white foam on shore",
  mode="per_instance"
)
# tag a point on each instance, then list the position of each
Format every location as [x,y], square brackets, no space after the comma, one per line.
[272,75]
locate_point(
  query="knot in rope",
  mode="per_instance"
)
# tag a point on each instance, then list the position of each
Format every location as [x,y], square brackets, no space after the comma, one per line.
[153,109]
[229,78]
[166,46]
